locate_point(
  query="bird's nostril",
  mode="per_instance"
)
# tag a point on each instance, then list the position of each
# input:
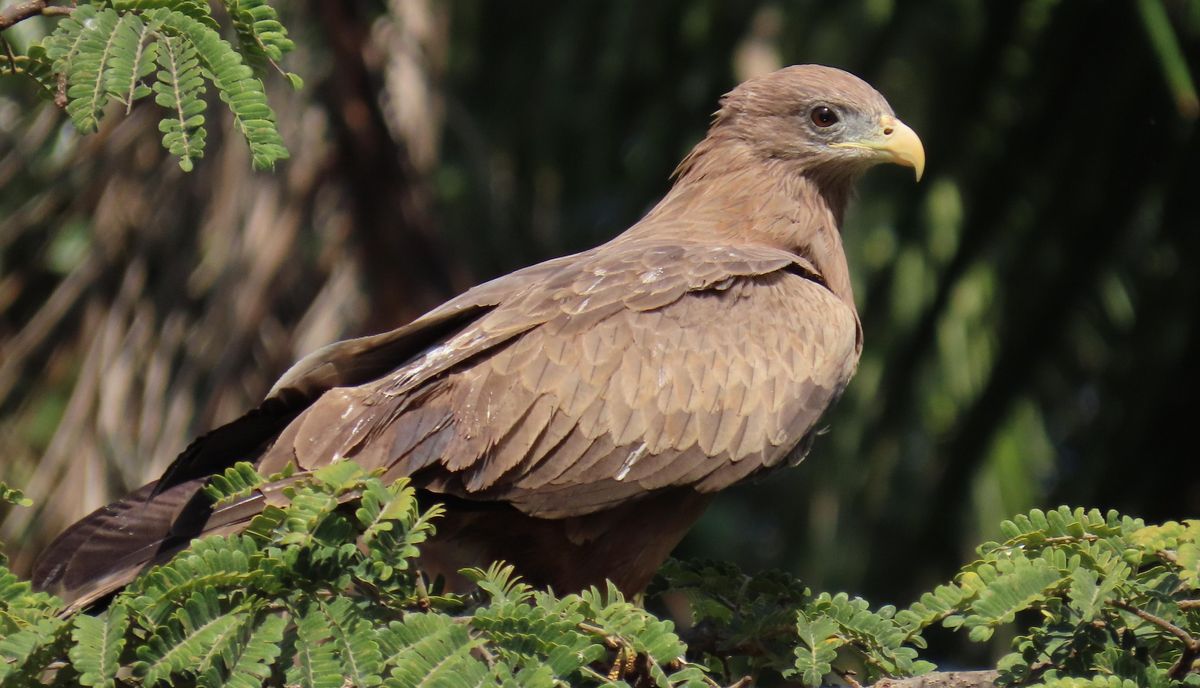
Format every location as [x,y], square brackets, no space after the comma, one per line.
[887,132]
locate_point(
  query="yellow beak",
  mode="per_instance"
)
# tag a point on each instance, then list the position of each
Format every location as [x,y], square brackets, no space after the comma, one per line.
[895,142]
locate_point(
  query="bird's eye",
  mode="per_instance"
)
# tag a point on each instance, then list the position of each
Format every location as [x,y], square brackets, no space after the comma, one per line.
[824,116]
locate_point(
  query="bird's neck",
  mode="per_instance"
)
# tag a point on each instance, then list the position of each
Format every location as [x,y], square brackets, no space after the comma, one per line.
[723,192]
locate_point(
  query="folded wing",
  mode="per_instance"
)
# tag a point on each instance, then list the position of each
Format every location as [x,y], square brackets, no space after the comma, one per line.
[563,389]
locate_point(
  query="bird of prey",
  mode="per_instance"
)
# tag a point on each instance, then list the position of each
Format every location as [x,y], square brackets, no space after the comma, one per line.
[577,416]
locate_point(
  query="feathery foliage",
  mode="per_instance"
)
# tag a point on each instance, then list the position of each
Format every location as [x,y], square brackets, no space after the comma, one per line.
[324,591]
[179,89]
[235,483]
[771,623]
[261,36]
[109,50]
[34,65]
[31,633]
[98,642]
[1116,599]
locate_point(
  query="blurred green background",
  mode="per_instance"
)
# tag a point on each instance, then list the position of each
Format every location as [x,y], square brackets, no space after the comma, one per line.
[1030,308]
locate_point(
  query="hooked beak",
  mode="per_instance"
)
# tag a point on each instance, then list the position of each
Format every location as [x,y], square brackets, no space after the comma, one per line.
[893,142]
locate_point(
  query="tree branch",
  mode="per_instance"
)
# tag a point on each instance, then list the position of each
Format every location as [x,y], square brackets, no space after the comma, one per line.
[1191,646]
[943,679]
[21,11]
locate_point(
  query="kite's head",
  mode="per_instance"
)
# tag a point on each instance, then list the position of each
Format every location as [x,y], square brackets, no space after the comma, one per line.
[828,121]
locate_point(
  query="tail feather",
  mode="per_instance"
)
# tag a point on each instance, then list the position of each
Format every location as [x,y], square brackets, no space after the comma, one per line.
[106,550]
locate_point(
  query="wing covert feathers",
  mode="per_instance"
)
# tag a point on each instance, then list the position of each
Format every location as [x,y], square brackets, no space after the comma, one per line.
[620,372]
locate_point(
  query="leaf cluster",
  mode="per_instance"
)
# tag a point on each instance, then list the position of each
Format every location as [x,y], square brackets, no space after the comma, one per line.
[127,50]
[1104,598]
[322,590]
[771,625]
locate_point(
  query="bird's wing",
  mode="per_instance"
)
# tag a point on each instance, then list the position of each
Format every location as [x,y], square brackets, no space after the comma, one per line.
[357,361]
[106,549]
[643,366]
[345,363]
[563,388]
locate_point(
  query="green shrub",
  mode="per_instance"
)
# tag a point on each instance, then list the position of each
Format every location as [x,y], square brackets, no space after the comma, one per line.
[325,590]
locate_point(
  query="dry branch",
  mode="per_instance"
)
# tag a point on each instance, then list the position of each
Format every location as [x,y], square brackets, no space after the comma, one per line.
[944,679]
[21,11]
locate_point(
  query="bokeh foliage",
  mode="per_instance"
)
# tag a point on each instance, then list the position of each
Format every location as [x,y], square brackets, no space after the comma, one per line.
[1029,309]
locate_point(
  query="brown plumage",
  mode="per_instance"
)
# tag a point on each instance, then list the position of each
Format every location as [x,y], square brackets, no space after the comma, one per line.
[577,415]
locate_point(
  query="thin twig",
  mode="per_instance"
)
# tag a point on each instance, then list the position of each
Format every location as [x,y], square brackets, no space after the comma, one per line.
[1191,646]
[848,677]
[14,14]
[1066,539]
[1162,623]
[60,90]
[611,641]
[8,52]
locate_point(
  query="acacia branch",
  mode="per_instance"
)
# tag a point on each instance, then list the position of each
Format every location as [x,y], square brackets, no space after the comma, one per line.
[1191,646]
[1067,539]
[14,14]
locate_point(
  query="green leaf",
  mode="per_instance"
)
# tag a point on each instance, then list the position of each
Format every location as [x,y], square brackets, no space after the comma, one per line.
[180,89]
[1188,559]
[87,92]
[27,652]
[546,633]
[236,85]
[1087,595]
[212,563]
[20,606]
[261,36]
[633,627]
[134,51]
[433,650]
[500,582]
[817,650]
[191,640]
[351,635]
[315,665]
[11,495]
[1023,583]
[62,45]
[235,483]
[340,477]
[392,527]
[35,65]
[196,9]
[1099,681]
[99,640]
[248,660]
[933,607]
